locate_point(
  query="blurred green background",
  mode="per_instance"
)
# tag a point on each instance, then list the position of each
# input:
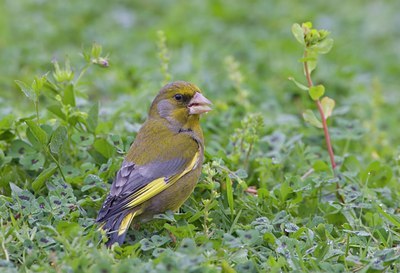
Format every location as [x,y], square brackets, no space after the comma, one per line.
[361,70]
[200,34]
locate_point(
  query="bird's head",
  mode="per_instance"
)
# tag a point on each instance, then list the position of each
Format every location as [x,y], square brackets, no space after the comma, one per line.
[180,103]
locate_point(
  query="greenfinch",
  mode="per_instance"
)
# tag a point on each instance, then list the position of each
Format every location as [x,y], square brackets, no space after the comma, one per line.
[163,164]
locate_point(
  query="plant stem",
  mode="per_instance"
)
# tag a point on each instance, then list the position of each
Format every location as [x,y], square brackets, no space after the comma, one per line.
[37,110]
[324,126]
[57,164]
[327,136]
[3,246]
[321,112]
[246,160]
[205,225]
[83,71]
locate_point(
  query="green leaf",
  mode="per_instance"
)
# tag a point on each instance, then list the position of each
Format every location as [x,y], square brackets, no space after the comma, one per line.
[4,160]
[239,257]
[104,147]
[38,83]
[320,166]
[160,240]
[308,59]
[285,191]
[324,46]
[351,165]
[93,117]
[43,176]
[33,162]
[56,110]
[394,219]
[6,127]
[27,90]
[37,132]
[69,95]
[241,173]
[184,231]
[58,138]
[298,33]
[188,245]
[377,175]
[63,74]
[6,135]
[316,91]
[310,117]
[69,229]
[249,237]
[327,106]
[33,140]
[92,181]
[229,194]
[312,58]
[307,25]
[83,139]
[146,244]
[6,122]
[20,148]
[96,50]
[298,84]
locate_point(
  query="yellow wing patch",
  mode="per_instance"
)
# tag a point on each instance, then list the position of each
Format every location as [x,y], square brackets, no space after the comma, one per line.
[158,185]
[126,222]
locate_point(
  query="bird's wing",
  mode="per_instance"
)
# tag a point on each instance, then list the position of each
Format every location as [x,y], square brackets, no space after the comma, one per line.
[135,184]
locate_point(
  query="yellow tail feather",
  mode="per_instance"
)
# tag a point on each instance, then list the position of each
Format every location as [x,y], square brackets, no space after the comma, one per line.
[126,222]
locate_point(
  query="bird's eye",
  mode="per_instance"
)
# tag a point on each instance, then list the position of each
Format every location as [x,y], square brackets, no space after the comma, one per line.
[178,97]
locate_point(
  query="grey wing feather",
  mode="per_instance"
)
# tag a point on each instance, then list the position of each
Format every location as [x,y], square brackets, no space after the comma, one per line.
[131,178]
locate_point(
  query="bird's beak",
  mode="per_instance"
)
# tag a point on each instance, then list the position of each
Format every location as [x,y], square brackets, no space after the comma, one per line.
[199,104]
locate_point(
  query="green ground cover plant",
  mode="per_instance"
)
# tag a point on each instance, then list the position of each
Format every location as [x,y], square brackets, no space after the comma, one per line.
[77,79]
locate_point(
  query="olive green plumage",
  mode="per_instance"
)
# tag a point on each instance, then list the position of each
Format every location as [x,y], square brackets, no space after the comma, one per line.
[163,164]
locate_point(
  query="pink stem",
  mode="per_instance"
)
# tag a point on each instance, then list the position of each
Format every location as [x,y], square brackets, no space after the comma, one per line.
[321,112]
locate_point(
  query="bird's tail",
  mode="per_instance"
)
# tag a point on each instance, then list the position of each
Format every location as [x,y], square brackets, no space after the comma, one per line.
[117,226]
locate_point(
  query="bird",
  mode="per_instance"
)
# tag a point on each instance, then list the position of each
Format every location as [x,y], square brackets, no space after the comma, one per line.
[163,164]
